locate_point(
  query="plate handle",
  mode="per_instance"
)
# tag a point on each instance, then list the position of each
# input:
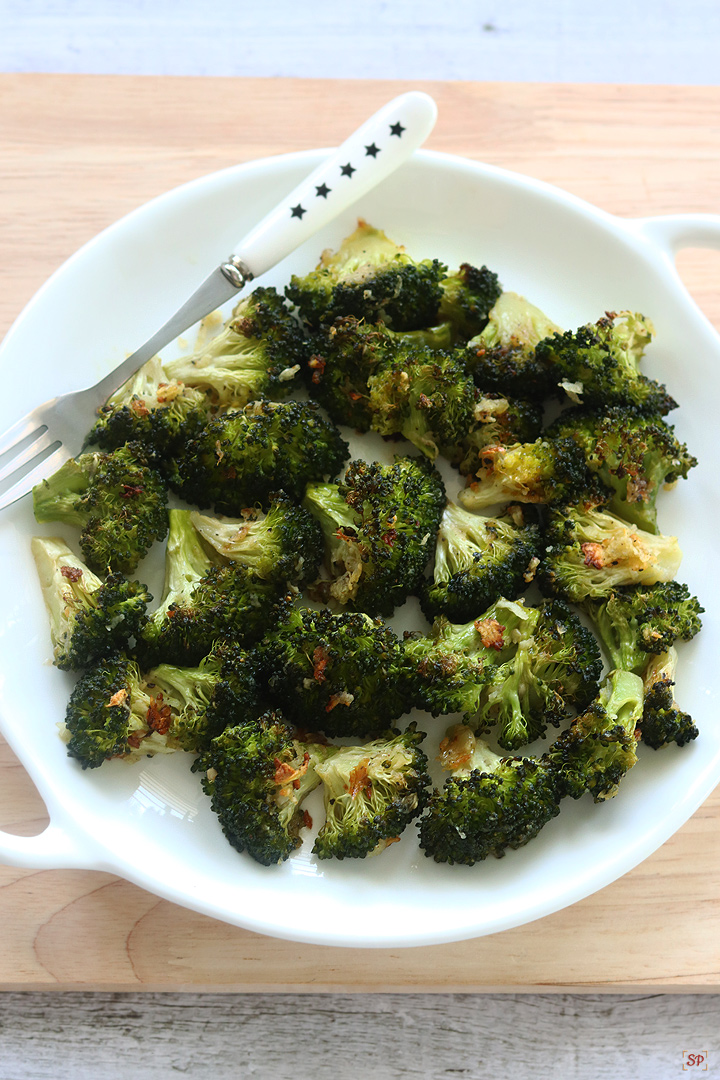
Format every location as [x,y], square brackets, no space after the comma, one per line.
[671,232]
[53,849]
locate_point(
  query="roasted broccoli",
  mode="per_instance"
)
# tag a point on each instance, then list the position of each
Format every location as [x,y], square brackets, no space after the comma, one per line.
[284,544]
[551,674]
[663,722]
[598,365]
[372,792]
[379,525]
[242,457]
[448,668]
[477,560]
[544,471]
[89,618]
[257,775]
[503,356]
[344,355]
[468,295]
[110,714]
[424,395]
[489,804]
[599,747]
[591,552]
[195,704]
[116,711]
[635,621]
[371,278]
[633,455]
[151,409]
[259,352]
[116,499]
[371,377]
[515,668]
[340,674]
[205,599]
[497,421]
[342,360]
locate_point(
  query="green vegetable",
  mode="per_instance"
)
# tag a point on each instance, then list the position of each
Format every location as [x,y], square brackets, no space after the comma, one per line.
[371,792]
[89,618]
[116,499]
[379,525]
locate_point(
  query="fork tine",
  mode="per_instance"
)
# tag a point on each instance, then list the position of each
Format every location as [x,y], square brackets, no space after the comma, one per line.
[44,442]
[41,471]
[22,430]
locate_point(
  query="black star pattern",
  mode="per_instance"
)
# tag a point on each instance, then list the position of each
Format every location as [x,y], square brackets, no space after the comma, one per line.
[397,129]
[298,211]
[323,190]
[372,150]
[347,170]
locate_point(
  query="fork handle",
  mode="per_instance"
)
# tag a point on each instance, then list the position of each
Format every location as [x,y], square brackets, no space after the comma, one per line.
[395,131]
[370,154]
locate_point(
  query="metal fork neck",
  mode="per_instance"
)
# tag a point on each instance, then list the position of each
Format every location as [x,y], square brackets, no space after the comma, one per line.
[236,271]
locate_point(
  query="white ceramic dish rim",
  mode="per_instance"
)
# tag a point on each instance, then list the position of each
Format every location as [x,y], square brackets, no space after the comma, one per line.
[69,843]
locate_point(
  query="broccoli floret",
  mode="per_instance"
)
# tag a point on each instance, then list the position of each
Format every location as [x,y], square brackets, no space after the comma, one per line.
[591,552]
[663,722]
[372,792]
[554,670]
[489,804]
[242,457]
[257,775]
[636,621]
[633,455]
[116,499]
[371,278]
[438,337]
[198,703]
[110,714]
[598,365]
[497,421]
[503,356]
[355,373]
[259,352]
[379,526]
[448,668]
[467,297]
[115,711]
[89,618]
[477,560]
[517,668]
[151,409]
[340,674]
[342,360]
[424,395]
[205,600]
[599,747]
[544,471]
[284,544]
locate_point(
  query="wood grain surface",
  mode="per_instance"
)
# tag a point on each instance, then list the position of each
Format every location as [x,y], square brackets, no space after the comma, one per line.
[147,1036]
[81,151]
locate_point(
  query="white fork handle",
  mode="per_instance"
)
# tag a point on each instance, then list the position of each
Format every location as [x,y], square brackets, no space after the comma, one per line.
[369,155]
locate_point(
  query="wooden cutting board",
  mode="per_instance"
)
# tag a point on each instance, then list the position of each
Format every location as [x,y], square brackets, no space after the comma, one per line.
[78,152]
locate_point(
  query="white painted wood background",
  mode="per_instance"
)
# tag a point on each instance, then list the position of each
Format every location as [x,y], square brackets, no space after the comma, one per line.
[341,1036]
[632,41]
[74,1036]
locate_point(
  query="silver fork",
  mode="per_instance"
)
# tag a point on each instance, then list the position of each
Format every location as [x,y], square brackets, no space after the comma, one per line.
[36,446]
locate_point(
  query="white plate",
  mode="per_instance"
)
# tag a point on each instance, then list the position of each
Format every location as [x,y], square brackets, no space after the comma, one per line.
[150,822]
